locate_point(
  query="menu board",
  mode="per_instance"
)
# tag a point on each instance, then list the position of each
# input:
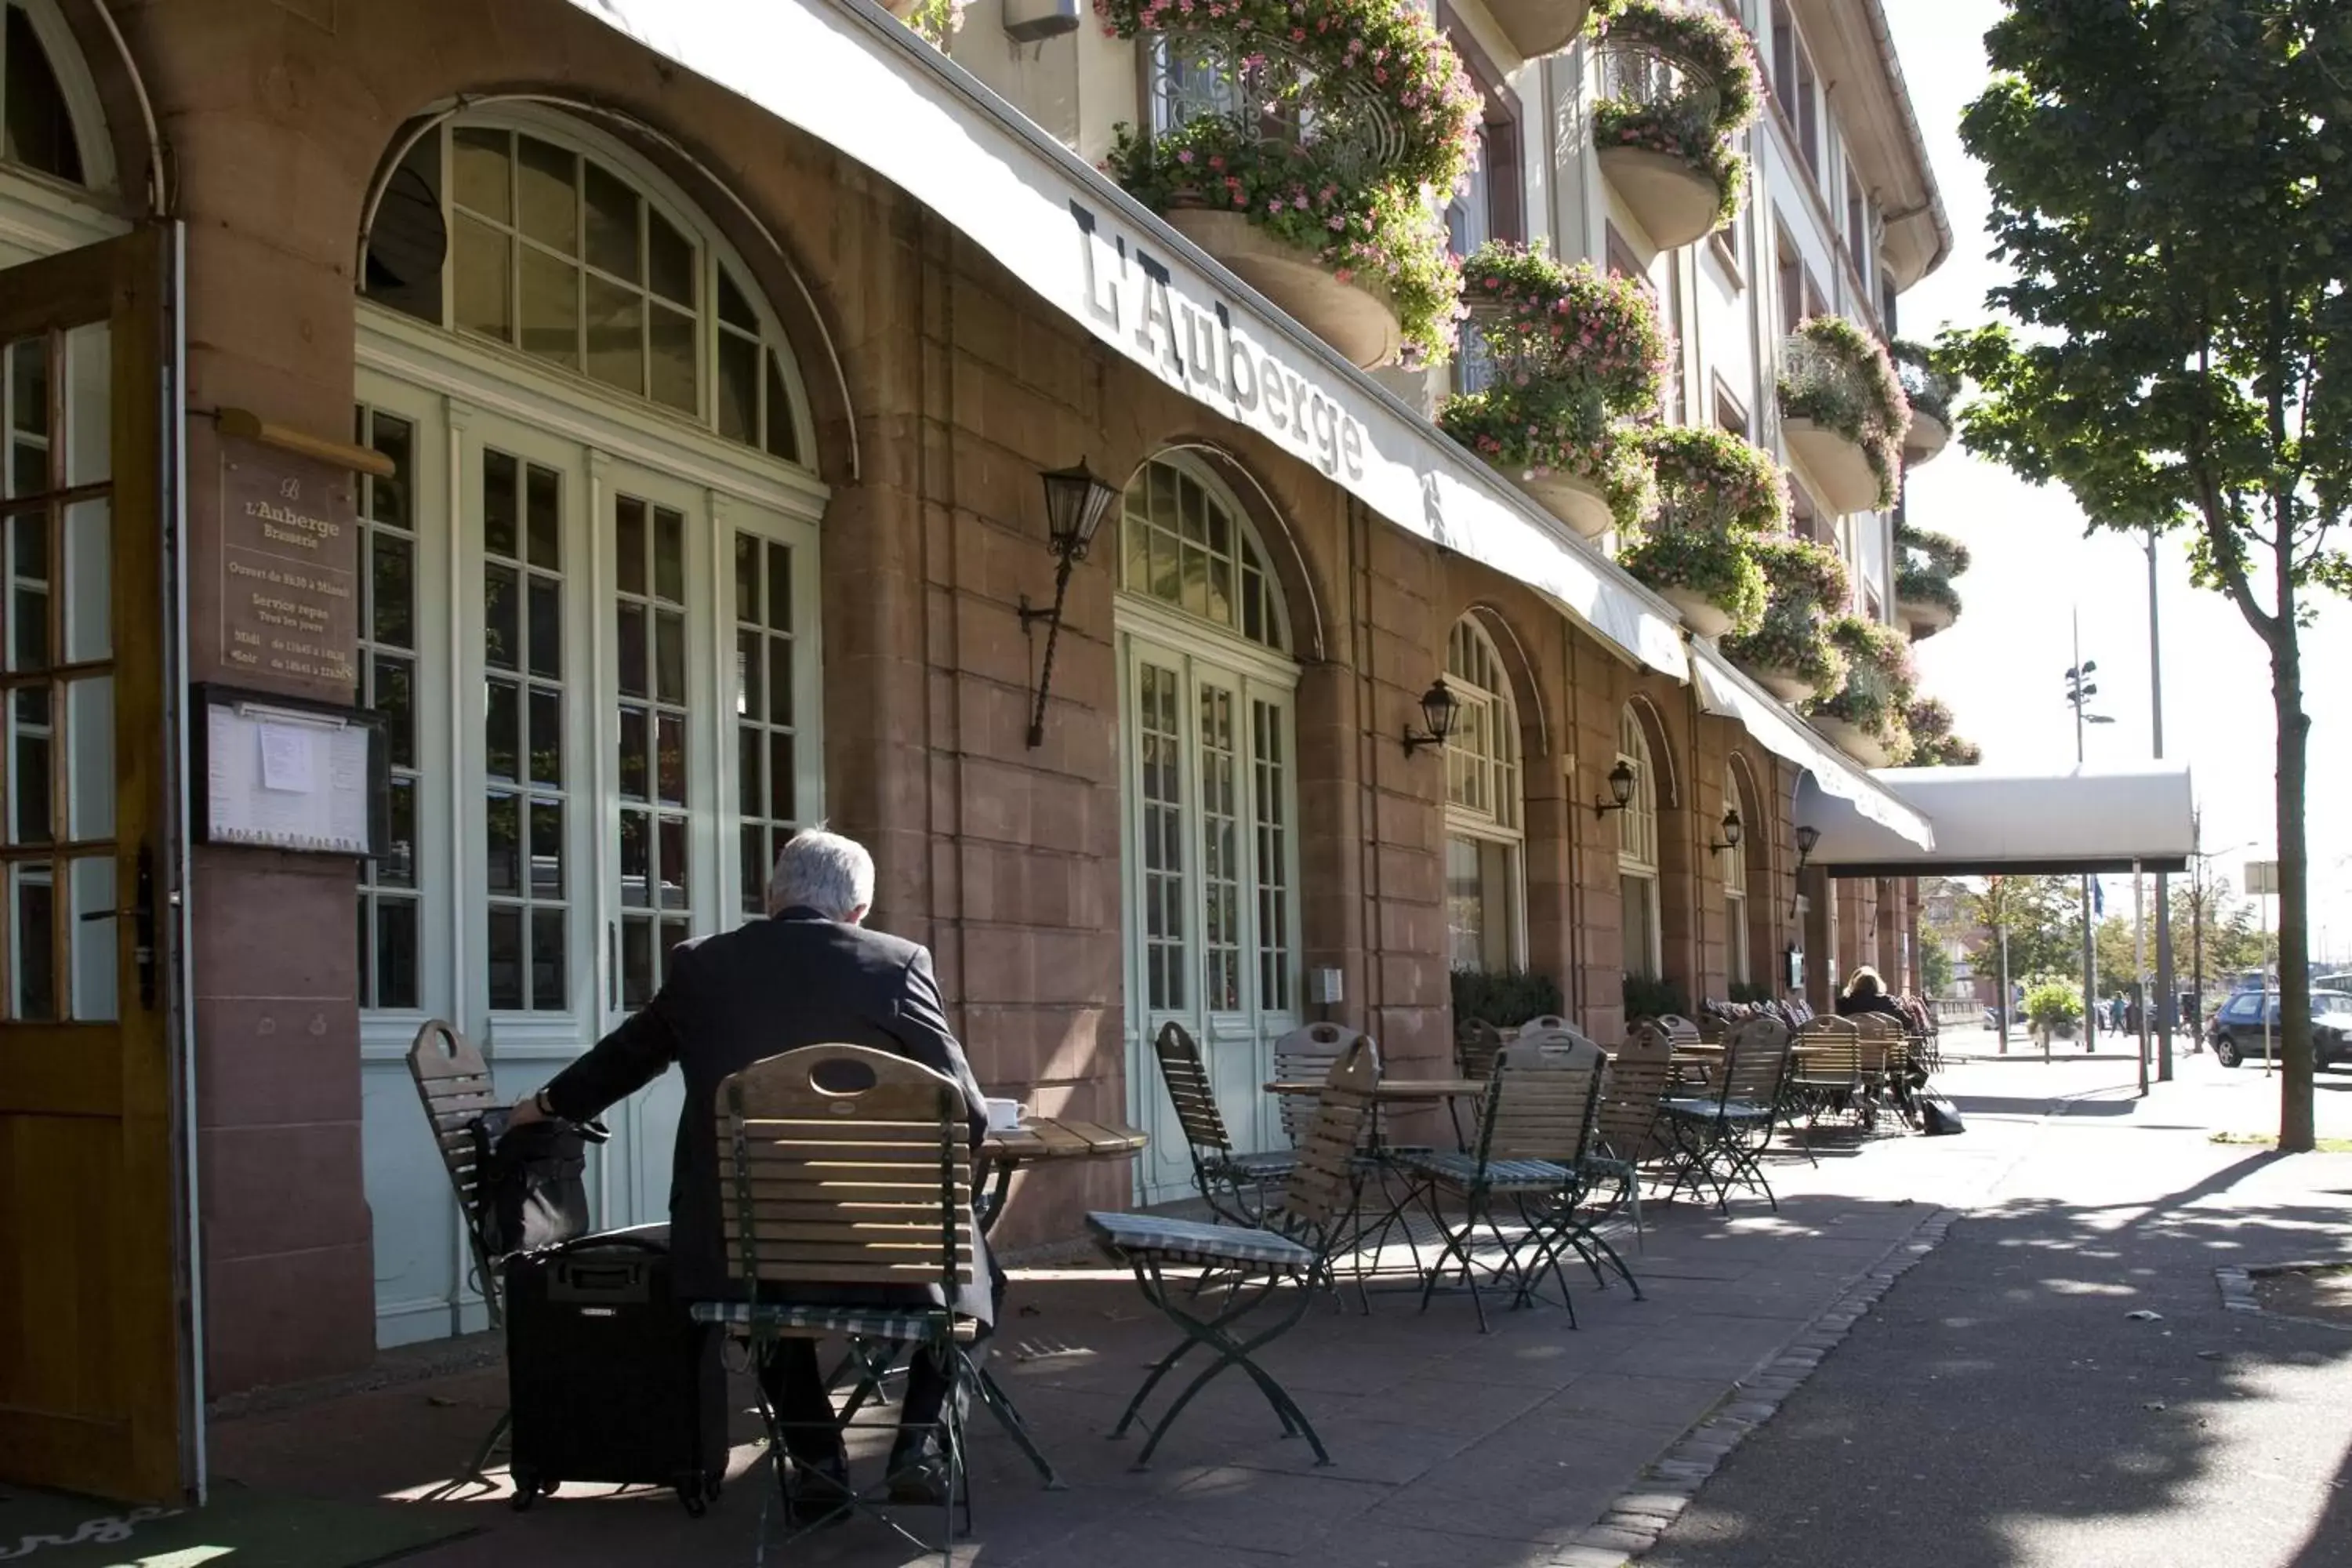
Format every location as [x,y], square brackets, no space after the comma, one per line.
[289,578]
[299,777]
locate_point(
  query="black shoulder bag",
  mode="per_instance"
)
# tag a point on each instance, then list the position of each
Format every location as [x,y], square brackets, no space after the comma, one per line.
[530,1186]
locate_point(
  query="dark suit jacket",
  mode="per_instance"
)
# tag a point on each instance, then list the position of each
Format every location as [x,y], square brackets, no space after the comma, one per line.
[764,988]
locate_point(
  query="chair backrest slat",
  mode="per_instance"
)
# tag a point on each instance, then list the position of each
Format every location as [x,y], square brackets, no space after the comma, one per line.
[842,1164]
[1322,1186]
[1187,1078]
[1642,1076]
[1756,1061]
[1475,1045]
[1540,1102]
[1307,1055]
[452,1085]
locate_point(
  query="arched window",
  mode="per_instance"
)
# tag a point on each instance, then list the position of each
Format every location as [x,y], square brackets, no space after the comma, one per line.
[1485,808]
[1738,963]
[1186,545]
[1637,852]
[511,234]
[36,118]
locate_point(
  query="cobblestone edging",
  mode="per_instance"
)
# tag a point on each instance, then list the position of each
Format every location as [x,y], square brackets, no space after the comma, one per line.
[1633,1523]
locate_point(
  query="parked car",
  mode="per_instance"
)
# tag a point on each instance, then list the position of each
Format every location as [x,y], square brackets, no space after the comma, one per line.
[2238,1034]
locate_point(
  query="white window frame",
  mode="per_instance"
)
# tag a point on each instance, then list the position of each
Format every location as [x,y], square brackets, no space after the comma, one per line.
[1740,967]
[1637,843]
[1484,747]
[40,213]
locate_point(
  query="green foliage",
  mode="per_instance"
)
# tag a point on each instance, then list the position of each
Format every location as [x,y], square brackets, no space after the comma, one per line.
[1370,232]
[1937,553]
[1715,481]
[1548,427]
[1649,998]
[1933,744]
[1837,375]
[1801,579]
[935,21]
[1351,110]
[1545,321]
[1916,585]
[1720,91]
[1934,967]
[2037,914]
[1505,998]
[1930,390]
[2053,1004]
[1719,567]
[1878,679]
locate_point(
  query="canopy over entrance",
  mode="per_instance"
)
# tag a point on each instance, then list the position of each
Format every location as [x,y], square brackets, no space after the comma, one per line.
[1992,824]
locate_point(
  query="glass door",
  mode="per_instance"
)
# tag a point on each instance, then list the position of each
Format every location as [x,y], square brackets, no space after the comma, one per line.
[1210,885]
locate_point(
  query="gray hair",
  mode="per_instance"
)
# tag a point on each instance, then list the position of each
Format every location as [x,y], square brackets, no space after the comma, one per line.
[821,871]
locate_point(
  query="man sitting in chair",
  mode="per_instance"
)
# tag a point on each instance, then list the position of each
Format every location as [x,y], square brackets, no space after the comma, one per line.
[809,975]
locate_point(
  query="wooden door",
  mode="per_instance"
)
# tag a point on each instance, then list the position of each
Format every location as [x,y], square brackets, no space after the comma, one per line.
[90,1389]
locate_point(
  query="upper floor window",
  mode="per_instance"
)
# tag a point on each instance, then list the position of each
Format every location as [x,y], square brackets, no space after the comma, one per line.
[1183,544]
[1795,84]
[510,235]
[36,128]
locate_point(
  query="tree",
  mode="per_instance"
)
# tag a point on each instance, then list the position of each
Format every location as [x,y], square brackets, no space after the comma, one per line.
[2172,190]
[1935,965]
[2031,912]
[2230,927]
[2119,956]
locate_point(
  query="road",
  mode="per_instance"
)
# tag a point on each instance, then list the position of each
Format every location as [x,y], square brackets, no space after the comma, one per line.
[2001,1408]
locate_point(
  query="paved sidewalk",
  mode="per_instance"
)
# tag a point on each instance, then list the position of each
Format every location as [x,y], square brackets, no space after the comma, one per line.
[1451,1448]
[2001,1408]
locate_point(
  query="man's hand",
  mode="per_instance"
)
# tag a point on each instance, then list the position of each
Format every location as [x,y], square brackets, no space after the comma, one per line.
[526,1111]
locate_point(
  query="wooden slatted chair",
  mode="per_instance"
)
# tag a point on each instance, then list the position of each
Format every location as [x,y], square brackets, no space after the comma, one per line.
[1306,1055]
[1720,1138]
[1294,1247]
[1237,1187]
[844,1170]
[1825,1074]
[1535,1127]
[1625,1132]
[1475,1047]
[452,1084]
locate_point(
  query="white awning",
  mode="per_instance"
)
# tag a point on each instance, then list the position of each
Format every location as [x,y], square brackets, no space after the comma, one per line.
[1725,691]
[842,71]
[2024,823]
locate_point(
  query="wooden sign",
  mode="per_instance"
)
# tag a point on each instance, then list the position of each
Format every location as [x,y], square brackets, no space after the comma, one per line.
[290,604]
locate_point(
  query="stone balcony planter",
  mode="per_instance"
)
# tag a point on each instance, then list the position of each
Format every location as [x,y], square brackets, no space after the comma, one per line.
[902,9]
[1705,617]
[1352,318]
[1575,501]
[1927,436]
[1675,203]
[1838,466]
[1539,27]
[1924,616]
[1785,684]
[1854,740]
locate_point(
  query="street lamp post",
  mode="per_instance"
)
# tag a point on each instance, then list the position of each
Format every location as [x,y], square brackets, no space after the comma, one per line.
[2164,981]
[2080,689]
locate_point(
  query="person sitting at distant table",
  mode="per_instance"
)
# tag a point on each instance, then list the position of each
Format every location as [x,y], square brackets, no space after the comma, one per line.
[1866,993]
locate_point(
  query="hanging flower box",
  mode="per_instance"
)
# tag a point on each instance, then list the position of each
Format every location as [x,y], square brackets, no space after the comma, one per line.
[1927,603]
[1864,716]
[1930,391]
[1305,135]
[1843,413]
[1710,578]
[1679,85]
[1790,653]
[1933,744]
[1540,27]
[1576,354]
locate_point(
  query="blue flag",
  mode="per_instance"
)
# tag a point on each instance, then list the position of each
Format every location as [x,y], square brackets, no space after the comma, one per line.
[2098,897]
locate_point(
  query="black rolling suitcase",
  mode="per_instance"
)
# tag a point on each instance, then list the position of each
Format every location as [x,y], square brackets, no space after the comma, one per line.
[608,1378]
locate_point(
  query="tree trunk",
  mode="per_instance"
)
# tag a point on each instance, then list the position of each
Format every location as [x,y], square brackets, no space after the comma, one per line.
[2294,876]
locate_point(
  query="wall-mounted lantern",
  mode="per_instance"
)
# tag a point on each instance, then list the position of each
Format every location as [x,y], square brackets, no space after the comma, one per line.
[1076,503]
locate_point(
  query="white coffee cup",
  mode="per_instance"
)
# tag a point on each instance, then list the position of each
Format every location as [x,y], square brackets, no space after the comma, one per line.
[1003,1115]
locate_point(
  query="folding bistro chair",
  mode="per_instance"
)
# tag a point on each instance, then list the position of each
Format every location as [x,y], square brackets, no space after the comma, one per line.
[1235,1186]
[1475,1046]
[1294,1247]
[1825,1073]
[843,1169]
[1534,1128]
[1720,1139]
[1545,1024]
[1625,1132]
[1306,1055]
[453,1083]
